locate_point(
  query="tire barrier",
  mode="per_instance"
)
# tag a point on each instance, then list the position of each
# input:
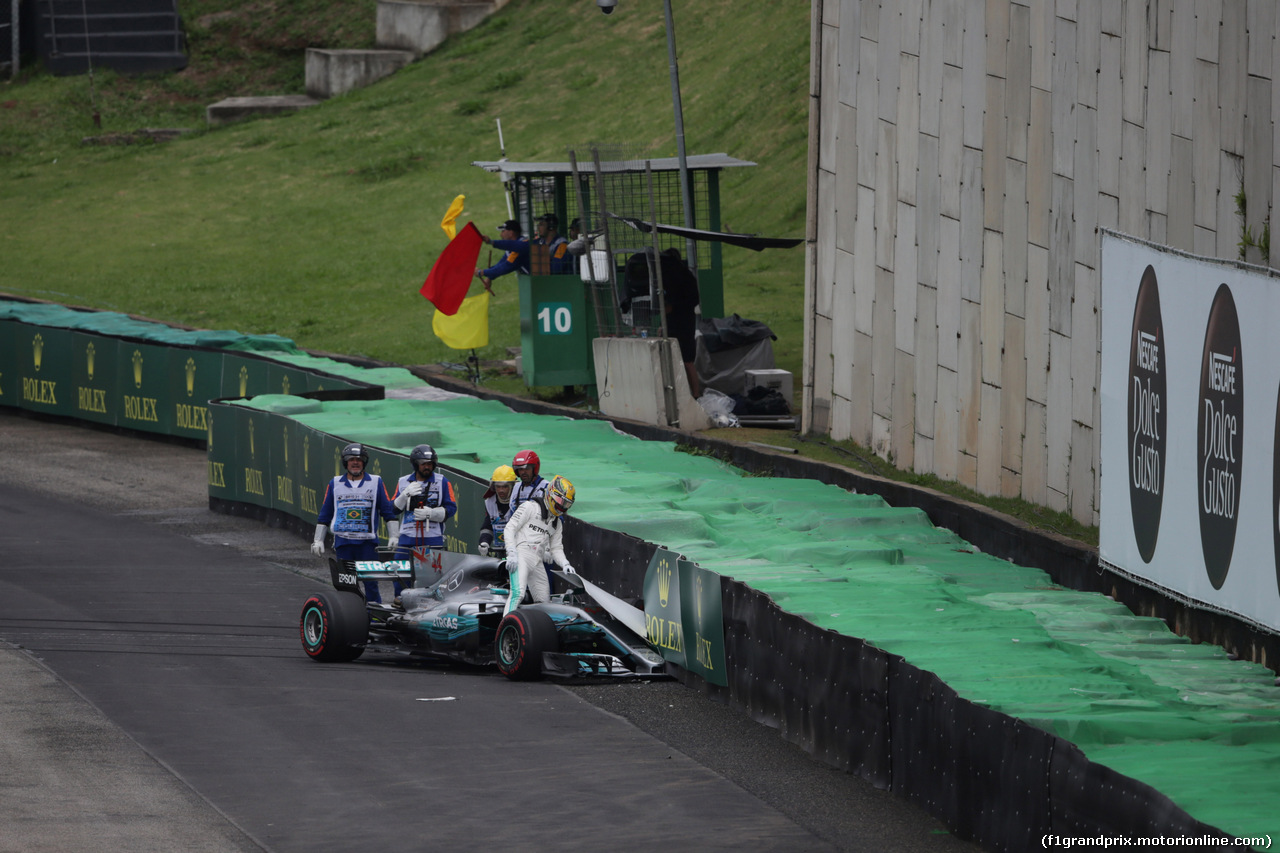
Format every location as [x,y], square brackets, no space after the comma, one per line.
[116,371]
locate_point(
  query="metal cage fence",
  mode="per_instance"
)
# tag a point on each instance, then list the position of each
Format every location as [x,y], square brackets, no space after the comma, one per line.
[613,184]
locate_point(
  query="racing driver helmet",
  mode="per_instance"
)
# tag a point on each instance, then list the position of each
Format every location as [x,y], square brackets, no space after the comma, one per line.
[524,458]
[503,475]
[423,453]
[354,451]
[559,496]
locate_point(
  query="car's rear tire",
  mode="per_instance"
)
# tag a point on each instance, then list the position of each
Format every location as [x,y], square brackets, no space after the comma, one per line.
[523,635]
[334,626]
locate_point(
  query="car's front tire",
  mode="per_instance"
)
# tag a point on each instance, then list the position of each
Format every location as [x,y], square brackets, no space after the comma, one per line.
[523,635]
[334,626]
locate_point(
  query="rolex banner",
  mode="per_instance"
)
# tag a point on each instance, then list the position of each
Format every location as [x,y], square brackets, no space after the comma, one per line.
[42,374]
[195,378]
[684,616]
[1190,397]
[141,385]
[94,378]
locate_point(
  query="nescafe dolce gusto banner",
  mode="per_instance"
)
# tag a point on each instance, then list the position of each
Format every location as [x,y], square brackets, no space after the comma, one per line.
[1190,406]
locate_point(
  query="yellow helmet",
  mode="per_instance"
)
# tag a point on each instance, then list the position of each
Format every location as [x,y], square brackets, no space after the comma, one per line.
[503,475]
[559,495]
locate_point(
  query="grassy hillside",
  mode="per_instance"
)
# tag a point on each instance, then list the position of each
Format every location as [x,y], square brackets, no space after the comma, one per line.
[321,226]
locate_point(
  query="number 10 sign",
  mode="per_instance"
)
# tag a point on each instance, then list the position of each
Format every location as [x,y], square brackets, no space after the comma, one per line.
[555,318]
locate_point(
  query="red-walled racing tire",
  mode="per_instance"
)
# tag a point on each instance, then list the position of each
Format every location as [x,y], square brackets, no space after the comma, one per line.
[523,635]
[334,626]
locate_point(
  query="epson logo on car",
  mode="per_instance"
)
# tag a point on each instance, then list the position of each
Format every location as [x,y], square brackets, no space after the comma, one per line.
[346,579]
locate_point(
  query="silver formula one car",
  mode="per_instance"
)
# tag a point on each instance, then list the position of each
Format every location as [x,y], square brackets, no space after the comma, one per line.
[458,617]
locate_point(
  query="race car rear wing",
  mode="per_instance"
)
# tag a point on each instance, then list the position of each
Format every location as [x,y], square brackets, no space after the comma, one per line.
[348,574]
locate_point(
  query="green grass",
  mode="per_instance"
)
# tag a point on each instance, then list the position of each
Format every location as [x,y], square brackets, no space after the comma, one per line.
[322,225]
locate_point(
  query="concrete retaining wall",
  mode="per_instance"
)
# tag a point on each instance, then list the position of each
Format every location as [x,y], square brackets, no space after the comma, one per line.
[964,157]
[333,72]
[421,25]
[643,379]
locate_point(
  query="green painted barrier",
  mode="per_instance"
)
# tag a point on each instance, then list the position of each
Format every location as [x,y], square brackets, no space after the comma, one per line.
[93,364]
[251,457]
[245,377]
[194,380]
[556,329]
[43,370]
[684,616]
[10,386]
[264,457]
[221,449]
[462,533]
[142,382]
[105,368]
[284,475]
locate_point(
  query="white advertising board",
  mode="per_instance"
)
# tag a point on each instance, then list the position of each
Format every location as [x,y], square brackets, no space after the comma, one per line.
[1190,398]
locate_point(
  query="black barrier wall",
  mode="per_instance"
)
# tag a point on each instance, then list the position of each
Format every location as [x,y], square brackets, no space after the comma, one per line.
[989,777]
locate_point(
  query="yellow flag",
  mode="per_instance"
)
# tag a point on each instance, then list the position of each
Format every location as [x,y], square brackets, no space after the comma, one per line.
[451,216]
[467,329]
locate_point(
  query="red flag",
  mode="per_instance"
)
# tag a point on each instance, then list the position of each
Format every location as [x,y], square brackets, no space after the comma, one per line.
[450,277]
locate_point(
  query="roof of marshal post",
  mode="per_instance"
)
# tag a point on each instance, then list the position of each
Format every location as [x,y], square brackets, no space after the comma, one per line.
[657,164]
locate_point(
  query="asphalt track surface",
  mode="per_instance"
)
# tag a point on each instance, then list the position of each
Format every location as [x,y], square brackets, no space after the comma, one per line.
[154,696]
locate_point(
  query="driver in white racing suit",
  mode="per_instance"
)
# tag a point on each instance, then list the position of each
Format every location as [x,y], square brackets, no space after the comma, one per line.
[534,534]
